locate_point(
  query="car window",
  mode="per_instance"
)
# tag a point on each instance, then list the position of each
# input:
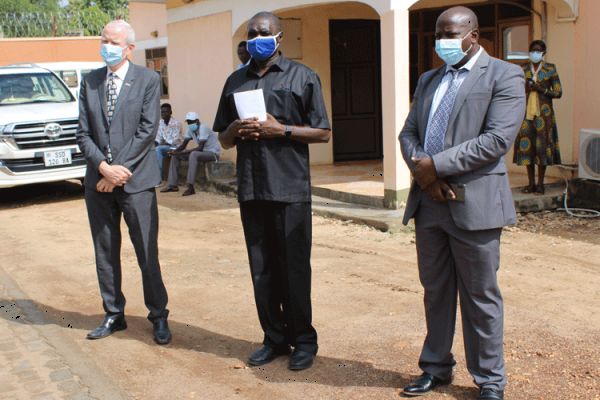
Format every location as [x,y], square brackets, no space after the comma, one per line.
[69,77]
[32,88]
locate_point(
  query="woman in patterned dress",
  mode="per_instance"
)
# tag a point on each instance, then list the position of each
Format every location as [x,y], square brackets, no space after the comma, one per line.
[537,142]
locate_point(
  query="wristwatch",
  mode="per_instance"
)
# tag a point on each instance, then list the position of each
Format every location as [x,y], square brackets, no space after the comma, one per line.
[288,131]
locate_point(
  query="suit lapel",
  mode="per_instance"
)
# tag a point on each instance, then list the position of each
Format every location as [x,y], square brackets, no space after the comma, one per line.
[125,89]
[428,99]
[465,89]
[102,94]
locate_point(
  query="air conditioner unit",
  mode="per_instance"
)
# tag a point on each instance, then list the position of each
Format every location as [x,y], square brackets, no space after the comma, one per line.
[589,154]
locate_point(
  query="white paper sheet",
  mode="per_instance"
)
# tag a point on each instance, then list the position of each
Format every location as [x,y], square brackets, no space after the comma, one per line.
[251,104]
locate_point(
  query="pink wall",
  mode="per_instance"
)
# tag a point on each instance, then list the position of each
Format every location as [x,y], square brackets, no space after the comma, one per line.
[147,18]
[200,60]
[587,60]
[37,50]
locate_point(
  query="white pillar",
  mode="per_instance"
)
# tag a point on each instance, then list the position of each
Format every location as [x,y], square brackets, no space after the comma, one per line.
[395,80]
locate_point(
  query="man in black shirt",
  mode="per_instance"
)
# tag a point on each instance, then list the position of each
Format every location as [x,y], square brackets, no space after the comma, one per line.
[274,187]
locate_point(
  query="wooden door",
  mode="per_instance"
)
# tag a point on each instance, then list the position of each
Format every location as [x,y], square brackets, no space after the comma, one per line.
[356,89]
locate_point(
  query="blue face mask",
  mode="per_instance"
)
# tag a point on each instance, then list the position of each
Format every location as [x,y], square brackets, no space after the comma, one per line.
[111,54]
[262,47]
[194,127]
[450,50]
[536,56]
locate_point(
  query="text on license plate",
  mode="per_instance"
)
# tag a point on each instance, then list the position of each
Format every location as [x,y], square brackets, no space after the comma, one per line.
[57,157]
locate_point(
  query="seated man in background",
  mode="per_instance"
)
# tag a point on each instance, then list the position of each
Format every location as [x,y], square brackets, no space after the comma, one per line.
[169,135]
[207,149]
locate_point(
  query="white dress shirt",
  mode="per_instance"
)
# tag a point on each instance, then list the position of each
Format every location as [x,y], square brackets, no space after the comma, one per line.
[119,76]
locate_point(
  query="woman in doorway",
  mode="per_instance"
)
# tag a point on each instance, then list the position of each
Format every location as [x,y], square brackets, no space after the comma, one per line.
[537,142]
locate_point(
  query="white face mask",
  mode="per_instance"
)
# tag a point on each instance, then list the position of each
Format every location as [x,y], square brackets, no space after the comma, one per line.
[450,50]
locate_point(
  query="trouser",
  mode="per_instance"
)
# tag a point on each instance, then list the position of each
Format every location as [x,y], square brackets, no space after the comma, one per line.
[278,240]
[193,158]
[455,262]
[141,216]
[161,153]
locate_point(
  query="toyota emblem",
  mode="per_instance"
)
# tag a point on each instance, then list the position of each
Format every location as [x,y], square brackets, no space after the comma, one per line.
[53,130]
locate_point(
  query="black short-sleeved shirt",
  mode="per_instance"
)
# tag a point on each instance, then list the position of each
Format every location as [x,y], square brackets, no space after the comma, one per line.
[275,169]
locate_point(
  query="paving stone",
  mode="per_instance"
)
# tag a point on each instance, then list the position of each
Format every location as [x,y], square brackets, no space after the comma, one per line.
[36,346]
[69,386]
[5,388]
[81,396]
[22,366]
[13,355]
[7,346]
[35,387]
[55,364]
[60,375]
[44,396]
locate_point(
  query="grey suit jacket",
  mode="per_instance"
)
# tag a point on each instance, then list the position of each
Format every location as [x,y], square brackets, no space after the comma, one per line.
[132,130]
[487,114]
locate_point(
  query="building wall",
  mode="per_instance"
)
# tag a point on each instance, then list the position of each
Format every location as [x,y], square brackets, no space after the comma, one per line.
[586,58]
[36,50]
[199,65]
[150,23]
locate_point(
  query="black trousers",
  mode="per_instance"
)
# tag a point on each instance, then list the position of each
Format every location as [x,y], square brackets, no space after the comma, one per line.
[278,239]
[141,216]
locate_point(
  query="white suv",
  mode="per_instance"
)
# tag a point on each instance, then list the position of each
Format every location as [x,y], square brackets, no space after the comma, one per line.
[38,121]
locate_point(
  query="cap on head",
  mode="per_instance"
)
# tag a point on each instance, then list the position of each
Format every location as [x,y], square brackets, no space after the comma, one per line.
[191,116]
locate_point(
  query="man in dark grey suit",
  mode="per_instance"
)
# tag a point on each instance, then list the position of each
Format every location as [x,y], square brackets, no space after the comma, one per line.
[464,118]
[118,119]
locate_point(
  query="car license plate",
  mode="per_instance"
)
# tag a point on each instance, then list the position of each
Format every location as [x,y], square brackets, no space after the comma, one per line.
[58,157]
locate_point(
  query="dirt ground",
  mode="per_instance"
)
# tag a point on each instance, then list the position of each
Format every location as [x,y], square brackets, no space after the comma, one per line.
[367,303]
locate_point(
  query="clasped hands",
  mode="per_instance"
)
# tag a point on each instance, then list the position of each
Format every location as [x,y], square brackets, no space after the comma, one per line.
[535,86]
[252,129]
[112,176]
[426,177]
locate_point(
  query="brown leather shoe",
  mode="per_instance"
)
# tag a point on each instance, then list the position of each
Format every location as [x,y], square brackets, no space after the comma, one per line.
[169,189]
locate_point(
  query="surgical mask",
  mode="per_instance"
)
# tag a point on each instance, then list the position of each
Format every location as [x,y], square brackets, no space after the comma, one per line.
[262,47]
[450,50]
[536,56]
[194,127]
[111,54]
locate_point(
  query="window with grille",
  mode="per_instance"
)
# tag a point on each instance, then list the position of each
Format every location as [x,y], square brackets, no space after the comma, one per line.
[156,59]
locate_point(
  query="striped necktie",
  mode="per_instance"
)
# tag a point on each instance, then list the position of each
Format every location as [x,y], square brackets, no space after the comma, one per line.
[436,131]
[111,95]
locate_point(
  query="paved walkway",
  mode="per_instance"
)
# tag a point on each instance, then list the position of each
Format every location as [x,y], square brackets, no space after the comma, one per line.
[39,361]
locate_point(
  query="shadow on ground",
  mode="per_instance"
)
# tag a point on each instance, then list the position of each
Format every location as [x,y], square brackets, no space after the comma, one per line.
[328,371]
[41,193]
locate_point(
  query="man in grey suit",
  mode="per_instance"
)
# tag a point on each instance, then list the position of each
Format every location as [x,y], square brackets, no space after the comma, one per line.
[464,118]
[118,119]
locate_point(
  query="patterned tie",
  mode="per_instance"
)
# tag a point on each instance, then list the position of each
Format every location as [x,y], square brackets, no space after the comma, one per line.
[436,131]
[111,95]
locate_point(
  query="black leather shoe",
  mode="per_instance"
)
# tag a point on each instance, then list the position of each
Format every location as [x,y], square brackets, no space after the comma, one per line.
[491,394]
[266,354]
[189,191]
[424,384]
[162,334]
[301,360]
[169,189]
[110,325]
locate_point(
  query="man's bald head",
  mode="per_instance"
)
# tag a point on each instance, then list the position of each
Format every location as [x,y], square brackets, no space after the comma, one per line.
[461,16]
[273,20]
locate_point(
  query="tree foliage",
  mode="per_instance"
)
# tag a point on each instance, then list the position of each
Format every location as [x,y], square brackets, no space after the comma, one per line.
[28,6]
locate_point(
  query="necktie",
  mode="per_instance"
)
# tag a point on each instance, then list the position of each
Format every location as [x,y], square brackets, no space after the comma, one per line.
[111,96]
[436,131]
